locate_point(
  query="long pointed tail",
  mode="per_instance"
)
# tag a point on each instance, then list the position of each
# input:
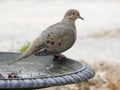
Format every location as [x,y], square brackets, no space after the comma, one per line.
[34,47]
[24,55]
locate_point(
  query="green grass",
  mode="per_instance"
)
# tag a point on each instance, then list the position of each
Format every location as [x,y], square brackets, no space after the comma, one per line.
[24,48]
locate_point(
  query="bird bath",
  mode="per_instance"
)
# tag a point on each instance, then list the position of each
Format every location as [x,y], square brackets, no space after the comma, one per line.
[38,72]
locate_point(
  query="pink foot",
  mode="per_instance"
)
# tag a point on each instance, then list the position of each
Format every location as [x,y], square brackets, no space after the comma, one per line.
[59,56]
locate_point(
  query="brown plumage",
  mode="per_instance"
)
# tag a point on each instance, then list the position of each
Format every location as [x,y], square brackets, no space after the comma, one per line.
[56,38]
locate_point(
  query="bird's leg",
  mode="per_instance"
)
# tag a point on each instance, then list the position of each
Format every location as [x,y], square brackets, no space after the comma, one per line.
[59,56]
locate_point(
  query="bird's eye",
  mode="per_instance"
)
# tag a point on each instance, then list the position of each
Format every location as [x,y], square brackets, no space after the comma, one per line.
[73,14]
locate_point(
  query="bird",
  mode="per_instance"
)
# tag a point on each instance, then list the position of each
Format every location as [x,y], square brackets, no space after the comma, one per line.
[55,39]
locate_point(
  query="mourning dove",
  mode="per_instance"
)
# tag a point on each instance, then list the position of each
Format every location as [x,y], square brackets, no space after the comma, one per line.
[56,38]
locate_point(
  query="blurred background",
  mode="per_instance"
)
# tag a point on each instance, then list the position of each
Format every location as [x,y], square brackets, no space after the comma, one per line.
[98,36]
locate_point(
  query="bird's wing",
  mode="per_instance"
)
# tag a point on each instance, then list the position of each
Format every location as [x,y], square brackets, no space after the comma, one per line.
[57,41]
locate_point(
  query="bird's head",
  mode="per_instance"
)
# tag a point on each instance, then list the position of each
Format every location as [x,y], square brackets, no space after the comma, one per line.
[73,14]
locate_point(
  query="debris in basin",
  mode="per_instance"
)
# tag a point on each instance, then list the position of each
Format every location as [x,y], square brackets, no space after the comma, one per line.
[22,74]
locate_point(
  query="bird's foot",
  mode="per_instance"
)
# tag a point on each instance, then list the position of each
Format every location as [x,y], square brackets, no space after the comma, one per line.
[59,57]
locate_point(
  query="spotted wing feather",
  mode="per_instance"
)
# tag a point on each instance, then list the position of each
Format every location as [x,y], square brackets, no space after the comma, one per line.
[57,42]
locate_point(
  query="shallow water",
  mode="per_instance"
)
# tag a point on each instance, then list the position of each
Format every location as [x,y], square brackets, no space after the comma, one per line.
[22,21]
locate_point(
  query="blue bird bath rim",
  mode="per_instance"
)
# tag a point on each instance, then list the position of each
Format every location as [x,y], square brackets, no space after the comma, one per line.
[62,72]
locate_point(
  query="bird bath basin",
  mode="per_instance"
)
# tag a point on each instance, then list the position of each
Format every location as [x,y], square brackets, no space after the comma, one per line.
[40,72]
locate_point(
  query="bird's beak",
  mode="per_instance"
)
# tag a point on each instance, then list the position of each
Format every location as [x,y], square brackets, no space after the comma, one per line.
[81,18]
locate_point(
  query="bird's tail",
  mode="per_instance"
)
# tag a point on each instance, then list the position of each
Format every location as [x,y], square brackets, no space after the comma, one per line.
[24,55]
[33,48]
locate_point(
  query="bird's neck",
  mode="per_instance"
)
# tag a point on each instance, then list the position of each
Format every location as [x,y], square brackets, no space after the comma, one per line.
[69,22]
